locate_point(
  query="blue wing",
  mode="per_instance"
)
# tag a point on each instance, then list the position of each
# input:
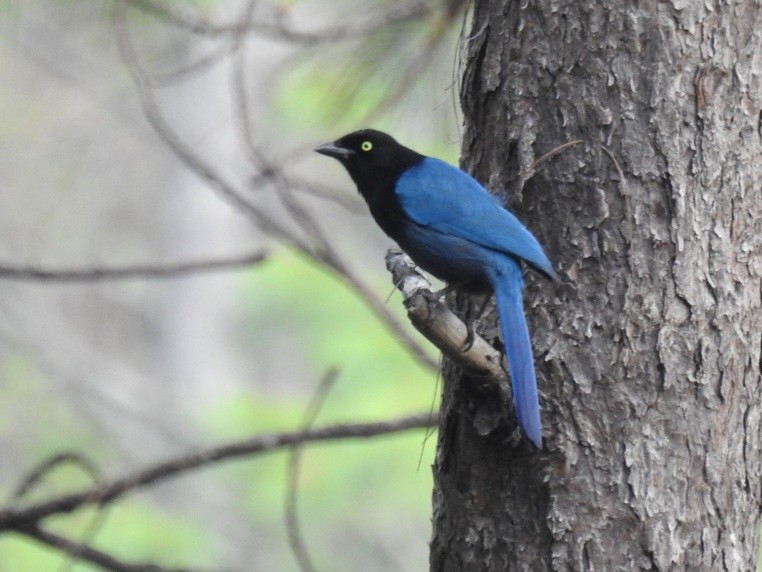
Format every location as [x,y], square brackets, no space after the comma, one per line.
[436,194]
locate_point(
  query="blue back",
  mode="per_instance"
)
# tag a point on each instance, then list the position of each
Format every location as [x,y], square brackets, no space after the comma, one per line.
[436,194]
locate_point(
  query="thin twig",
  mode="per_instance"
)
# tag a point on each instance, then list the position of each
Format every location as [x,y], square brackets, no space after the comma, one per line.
[383,313]
[256,156]
[440,325]
[295,537]
[552,152]
[240,93]
[278,30]
[88,553]
[191,160]
[38,473]
[526,175]
[327,193]
[140,272]
[230,194]
[74,550]
[431,430]
[12,517]
[198,66]
[416,65]
[77,552]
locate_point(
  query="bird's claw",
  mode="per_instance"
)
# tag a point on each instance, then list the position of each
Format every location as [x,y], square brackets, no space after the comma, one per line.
[468,343]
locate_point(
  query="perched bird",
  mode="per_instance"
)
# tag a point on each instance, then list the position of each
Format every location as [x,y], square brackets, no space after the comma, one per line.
[452,227]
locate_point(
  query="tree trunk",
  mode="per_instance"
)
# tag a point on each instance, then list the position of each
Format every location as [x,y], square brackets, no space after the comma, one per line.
[648,351]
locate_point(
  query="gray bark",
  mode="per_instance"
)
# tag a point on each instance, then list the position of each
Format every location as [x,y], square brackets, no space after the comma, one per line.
[648,352]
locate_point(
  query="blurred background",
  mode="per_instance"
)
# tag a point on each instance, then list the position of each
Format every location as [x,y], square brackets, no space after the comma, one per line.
[110,110]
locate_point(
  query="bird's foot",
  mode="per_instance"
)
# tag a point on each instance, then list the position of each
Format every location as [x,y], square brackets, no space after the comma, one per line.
[471,320]
[468,343]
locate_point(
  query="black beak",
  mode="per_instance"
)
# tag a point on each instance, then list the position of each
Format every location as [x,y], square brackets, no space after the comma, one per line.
[333,150]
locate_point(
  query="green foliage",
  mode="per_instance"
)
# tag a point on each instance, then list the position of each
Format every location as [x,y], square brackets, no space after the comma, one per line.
[338,88]
[366,485]
[138,530]
[330,327]
[23,384]
[352,493]
[135,532]
[332,100]
[327,99]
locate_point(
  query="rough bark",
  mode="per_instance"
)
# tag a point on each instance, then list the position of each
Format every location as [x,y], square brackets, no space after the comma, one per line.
[648,352]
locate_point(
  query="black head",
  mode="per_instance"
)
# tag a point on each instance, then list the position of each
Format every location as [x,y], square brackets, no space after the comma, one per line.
[373,159]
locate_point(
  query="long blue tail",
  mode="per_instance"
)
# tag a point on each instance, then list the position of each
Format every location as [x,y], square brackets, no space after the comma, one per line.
[508,283]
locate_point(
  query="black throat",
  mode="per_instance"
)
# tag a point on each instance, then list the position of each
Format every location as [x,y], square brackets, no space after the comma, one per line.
[377,186]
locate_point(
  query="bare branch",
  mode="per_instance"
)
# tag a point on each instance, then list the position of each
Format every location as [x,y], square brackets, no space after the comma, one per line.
[440,326]
[140,272]
[191,160]
[530,172]
[379,307]
[256,156]
[553,152]
[11,518]
[201,64]
[416,64]
[330,194]
[74,550]
[295,538]
[278,30]
[76,553]
[229,193]
[88,553]
[38,473]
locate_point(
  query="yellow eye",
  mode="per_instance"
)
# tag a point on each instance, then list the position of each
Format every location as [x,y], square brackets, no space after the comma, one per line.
[366,146]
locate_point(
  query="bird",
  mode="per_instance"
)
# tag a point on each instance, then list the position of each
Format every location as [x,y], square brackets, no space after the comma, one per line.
[456,230]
